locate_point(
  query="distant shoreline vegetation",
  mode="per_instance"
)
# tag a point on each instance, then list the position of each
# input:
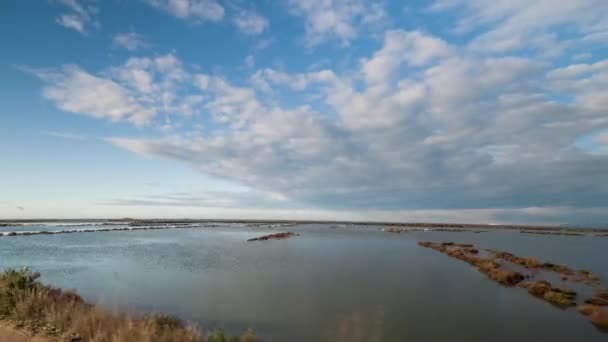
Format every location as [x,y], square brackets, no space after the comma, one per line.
[41,310]
[164,222]
[96,226]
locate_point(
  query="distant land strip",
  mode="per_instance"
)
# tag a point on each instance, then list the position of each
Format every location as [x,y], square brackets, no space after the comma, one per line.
[161,222]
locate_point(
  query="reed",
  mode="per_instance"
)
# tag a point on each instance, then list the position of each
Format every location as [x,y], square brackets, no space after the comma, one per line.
[63,315]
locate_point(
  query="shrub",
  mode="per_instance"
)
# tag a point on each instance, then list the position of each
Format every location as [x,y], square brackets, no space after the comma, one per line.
[53,312]
[12,282]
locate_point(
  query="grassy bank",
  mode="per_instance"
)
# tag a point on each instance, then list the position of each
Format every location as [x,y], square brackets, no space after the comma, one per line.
[27,304]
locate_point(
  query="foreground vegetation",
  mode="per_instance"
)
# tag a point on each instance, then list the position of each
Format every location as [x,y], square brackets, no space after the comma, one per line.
[63,315]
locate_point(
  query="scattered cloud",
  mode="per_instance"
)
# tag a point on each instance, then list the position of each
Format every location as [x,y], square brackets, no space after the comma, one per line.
[250,61]
[414,48]
[249,22]
[80,16]
[539,25]
[440,135]
[483,126]
[339,20]
[77,91]
[262,44]
[196,10]
[586,84]
[131,41]
[138,91]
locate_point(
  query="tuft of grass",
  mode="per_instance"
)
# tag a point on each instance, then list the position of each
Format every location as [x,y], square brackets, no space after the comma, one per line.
[12,283]
[63,314]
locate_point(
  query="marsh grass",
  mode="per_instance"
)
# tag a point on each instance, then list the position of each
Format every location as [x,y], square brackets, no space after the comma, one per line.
[63,314]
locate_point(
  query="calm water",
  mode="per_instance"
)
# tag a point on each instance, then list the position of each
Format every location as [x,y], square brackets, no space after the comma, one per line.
[345,284]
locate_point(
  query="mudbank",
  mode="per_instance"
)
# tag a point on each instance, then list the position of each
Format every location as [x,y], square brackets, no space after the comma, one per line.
[510,270]
[277,236]
[487,266]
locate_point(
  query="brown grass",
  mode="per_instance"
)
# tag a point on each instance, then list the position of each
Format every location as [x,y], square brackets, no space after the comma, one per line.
[64,315]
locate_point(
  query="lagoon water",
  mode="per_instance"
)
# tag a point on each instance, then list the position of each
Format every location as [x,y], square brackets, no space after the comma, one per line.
[352,283]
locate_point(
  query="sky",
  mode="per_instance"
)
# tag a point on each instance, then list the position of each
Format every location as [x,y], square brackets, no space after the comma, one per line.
[437,111]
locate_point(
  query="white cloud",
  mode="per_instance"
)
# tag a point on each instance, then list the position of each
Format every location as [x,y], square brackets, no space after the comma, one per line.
[250,61]
[201,81]
[74,90]
[414,48]
[374,14]
[577,70]
[130,40]
[263,44]
[263,78]
[81,15]
[71,22]
[536,25]
[198,10]
[335,19]
[231,104]
[585,83]
[137,91]
[249,22]
[417,123]
[457,130]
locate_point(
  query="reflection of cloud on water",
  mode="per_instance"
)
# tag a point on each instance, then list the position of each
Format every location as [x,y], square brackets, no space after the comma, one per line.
[359,327]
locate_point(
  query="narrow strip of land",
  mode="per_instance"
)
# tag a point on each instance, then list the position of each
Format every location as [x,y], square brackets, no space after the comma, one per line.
[158,222]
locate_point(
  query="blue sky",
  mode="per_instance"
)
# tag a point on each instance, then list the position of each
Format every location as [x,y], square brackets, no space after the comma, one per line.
[444,110]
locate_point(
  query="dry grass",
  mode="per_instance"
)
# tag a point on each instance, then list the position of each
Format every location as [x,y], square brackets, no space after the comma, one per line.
[47,311]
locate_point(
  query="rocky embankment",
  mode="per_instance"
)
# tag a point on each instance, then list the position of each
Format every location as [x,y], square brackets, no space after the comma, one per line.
[510,270]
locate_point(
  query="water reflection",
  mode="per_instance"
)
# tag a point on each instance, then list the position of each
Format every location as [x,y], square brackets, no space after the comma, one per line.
[359,327]
[346,284]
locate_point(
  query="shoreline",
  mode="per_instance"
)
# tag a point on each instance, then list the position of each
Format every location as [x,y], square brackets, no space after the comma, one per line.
[135,224]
